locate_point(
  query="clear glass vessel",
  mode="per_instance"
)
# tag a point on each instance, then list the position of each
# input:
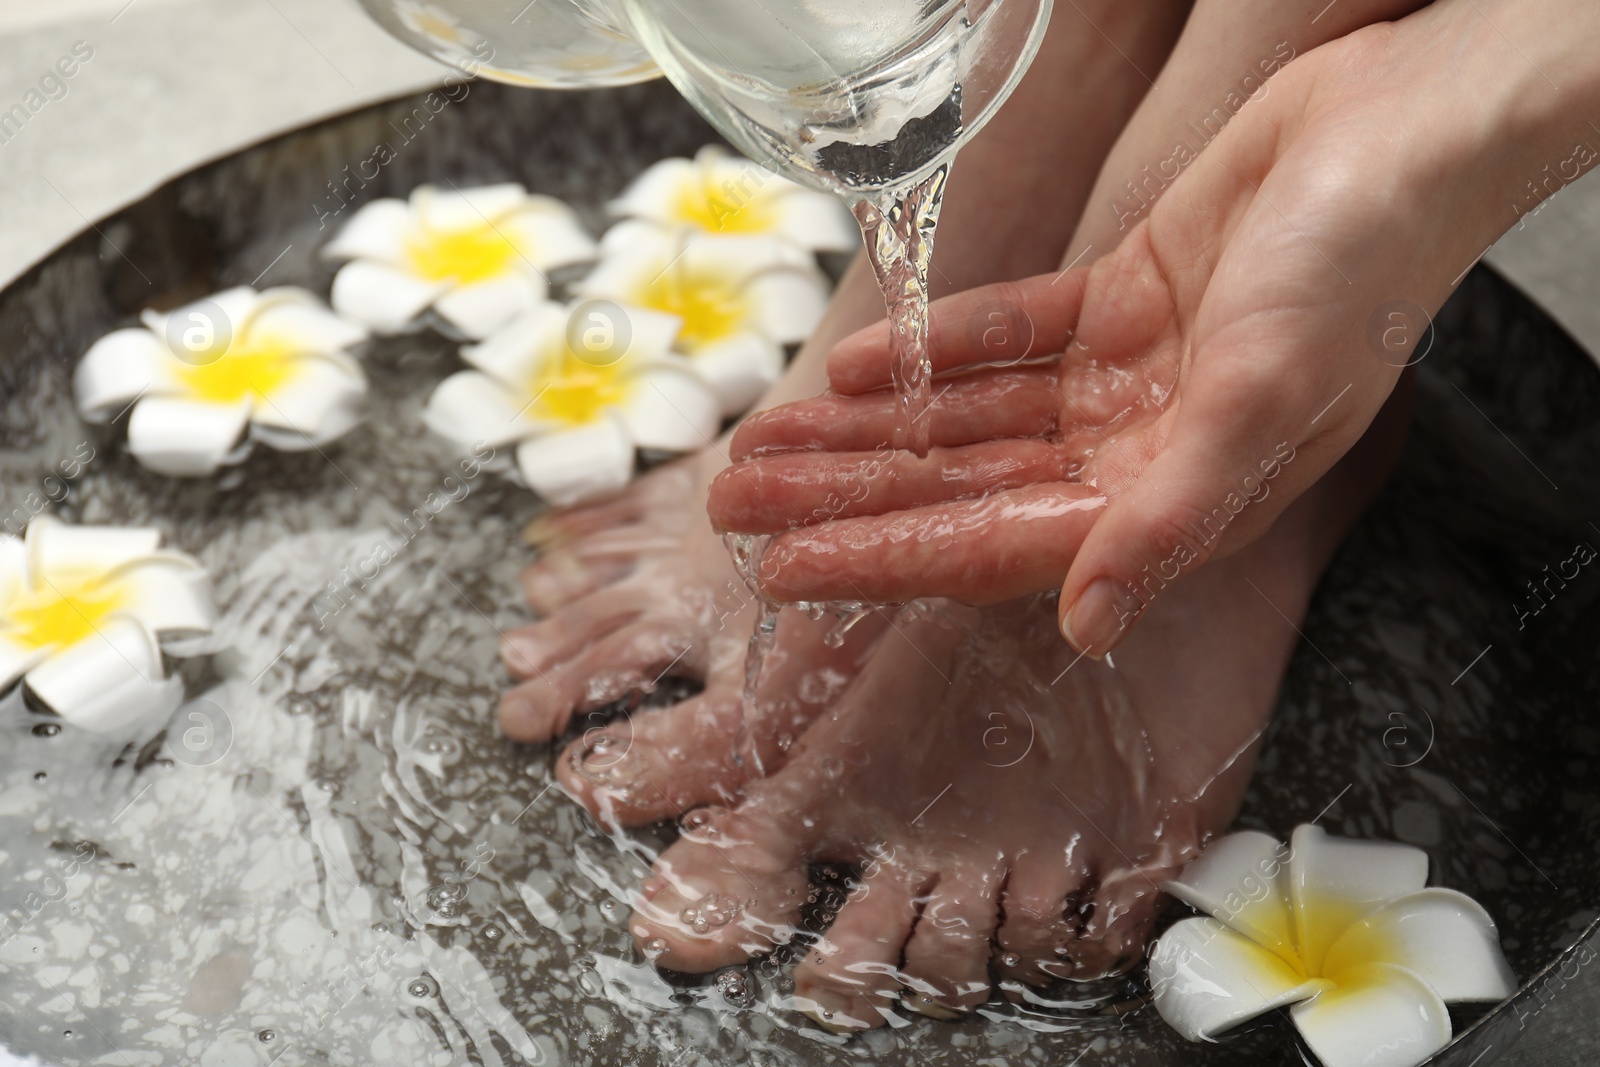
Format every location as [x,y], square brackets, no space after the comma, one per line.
[547,44]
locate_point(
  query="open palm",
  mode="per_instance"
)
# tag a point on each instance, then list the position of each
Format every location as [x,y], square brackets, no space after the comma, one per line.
[1232,349]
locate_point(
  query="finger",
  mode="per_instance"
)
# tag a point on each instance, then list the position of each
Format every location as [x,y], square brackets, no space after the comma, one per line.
[979,407]
[803,489]
[997,324]
[1006,545]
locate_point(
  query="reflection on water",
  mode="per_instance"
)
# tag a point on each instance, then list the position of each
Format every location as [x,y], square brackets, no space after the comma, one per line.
[368,874]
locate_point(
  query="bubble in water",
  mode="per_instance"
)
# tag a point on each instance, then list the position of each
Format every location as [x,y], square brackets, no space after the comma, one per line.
[265,1036]
[736,988]
[423,986]
[41,776]
[655,948]
[300,706]
[1011,959]
[66,1034]
[47,729]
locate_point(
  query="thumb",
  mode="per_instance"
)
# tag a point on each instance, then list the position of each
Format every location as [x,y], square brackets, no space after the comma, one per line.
[1200,496]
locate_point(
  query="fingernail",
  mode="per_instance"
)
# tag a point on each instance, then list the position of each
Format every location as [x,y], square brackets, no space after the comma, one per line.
[1099,619]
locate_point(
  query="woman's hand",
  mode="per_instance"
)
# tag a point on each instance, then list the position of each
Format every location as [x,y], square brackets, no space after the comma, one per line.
[1235,345]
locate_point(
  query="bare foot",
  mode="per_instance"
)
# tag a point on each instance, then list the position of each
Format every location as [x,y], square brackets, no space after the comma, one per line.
[639,586]
[635,589]
[997,789]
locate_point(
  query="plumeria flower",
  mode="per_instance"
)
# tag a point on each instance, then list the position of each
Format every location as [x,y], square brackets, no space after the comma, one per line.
[580,389]
[1343,930]
[738,300]
[211,378]
[82,609]
[722,194]
[478,257]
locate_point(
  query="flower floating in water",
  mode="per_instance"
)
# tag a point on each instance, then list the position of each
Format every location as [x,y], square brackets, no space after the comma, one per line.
[718,193]
[477,257]
[210,378]
[581,388]
[81,612]
[1343,930]
[738,300]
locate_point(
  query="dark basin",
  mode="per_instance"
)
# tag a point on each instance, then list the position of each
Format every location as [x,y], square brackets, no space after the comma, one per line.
[369,874]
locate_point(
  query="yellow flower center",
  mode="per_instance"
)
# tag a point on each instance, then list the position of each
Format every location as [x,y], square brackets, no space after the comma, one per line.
[735,205]
[60,613]
[253,366]
[576,389]
[465,255]
[710,305]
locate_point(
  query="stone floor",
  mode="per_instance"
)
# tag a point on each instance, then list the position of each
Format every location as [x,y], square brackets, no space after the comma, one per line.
[169,84]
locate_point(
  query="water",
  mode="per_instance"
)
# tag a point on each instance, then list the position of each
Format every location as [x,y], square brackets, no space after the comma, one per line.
[292,878]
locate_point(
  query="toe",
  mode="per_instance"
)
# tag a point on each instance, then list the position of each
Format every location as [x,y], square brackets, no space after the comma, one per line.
[1040,905]
[728,889]
[566,572]
[851,979]
[1116,923]
[629,661]
[947,958]
[531,651]
[560,578]
[658,764]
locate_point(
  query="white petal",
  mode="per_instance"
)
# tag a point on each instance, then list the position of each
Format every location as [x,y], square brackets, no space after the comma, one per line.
[16,660]
[1383,1016]
[1443,937]
[585,461]
[318,403]
[739,369]
[118,368]
[238,307]
[383,297]
[376,231]
[650,334]
[119,658]
[816,220]
[1335,881]
[307,324]
[1241,881]
[633,240]
[1206,979]
[460,209]
[514,354]
[469,407]
[654,193]
[480,308]
[168,594]
[185,438]
[13,567]
[547,233]
[57,549]
[788,303]
[671,409]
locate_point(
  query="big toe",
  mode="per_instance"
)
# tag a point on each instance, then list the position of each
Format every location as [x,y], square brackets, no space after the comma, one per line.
[658,764]
[851,979]
[730,888]
[1116,925]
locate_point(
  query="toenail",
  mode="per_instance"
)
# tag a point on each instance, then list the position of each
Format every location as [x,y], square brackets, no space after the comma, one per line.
[923,1004]
[600,754]
[520,653]
[1099,619]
